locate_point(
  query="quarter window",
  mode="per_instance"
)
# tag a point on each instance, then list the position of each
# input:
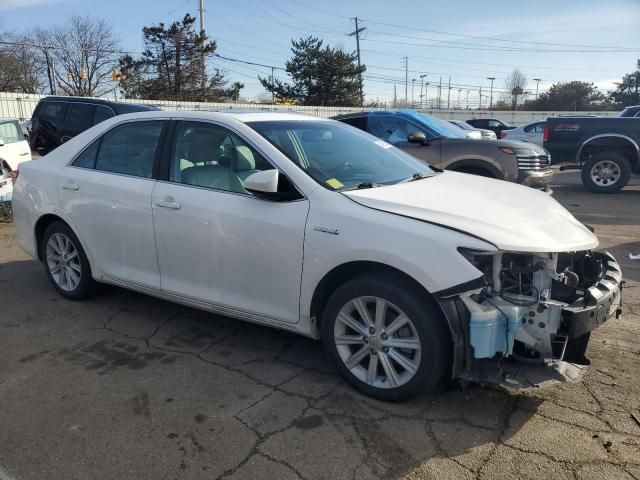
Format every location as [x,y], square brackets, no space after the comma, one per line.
[102,113]
[52,112]
[210,156]
[130,149]
[87,159]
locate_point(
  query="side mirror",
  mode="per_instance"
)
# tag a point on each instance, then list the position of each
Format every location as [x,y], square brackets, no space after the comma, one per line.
[417,137]
[1,142]
[266,185]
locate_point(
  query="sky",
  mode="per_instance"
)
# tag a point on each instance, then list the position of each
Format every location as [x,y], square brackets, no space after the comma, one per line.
[464,40]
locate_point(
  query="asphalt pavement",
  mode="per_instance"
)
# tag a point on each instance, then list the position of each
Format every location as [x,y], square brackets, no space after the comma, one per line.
[125,386]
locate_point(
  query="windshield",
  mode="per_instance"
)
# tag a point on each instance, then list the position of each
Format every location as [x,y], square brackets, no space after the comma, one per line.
[339,156]
[441,128]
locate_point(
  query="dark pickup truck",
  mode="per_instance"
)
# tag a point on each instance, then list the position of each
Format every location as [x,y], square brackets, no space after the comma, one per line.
[606,149]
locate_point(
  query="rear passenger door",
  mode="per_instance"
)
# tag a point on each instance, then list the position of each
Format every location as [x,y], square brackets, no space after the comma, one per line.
[216,242]
[106,192]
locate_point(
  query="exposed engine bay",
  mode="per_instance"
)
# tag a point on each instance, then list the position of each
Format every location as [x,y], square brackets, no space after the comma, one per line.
[540,308]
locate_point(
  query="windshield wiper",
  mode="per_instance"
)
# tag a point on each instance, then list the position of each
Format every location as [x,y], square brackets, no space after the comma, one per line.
[362,186]
[415,176]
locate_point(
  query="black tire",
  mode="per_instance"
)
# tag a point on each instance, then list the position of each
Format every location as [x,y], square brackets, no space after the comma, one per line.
[86,286]
[621,171]
[427,324]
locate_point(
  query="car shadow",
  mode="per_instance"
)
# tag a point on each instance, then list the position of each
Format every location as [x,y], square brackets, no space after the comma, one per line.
[273,388]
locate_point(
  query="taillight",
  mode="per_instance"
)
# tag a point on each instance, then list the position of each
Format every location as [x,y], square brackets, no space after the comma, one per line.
[545,134]
[14,176]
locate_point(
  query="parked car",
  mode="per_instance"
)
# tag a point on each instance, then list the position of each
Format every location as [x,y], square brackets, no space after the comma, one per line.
[493,124]
[442,145]
[531,132]
[474,132]
[57,119]
[633,111]
[606,150]
[408,274]
[14,150]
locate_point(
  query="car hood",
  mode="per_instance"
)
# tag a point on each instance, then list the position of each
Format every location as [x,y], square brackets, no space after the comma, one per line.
[510,216]
[494,142]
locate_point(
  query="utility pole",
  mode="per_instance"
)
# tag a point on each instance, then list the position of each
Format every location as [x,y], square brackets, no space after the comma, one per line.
[467,99]
[273,94]
[480,102]
[413,83]
[202,40]
[537,80]
[406,80]
[439,93]
[422,87]
[50,72]
[357,33]
[395,96]
[449,93]
[459,90]
[491,94]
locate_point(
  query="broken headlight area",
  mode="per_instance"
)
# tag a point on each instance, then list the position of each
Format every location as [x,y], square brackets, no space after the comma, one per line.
[539,308]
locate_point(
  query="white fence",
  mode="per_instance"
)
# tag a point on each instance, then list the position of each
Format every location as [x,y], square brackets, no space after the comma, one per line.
[21,106]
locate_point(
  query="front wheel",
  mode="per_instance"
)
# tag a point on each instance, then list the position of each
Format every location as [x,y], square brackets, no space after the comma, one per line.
[65,262]
[385,338]
[606,172]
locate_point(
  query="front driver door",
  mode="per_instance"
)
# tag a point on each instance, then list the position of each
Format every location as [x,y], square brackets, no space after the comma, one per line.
[396,130]
[217,243]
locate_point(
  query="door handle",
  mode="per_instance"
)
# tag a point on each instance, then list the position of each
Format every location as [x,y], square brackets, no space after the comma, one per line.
[70,186]
[24,154]
[168,204]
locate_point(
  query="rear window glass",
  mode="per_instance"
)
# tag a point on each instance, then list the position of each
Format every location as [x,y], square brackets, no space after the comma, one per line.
[52,111]
[102,113]
[10,132]
[80,116]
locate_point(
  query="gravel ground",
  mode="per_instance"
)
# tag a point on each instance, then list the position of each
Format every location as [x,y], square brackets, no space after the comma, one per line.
[126,386]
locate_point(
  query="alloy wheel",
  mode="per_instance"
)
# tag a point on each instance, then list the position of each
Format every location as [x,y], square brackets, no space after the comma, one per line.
[63,262]
[377,342]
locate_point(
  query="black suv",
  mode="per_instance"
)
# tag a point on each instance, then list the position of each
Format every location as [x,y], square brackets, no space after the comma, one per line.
[493,124]
[57,119]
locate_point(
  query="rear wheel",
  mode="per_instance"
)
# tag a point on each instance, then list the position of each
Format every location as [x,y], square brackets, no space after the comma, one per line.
[66,263]
[606,172]
[385,338]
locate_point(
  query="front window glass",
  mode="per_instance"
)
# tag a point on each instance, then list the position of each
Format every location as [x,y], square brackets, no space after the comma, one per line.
[338,156]
[394,129]
[80,116]
[211,156]
[441,128]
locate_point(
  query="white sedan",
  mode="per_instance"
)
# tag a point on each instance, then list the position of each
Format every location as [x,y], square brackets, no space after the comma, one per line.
[531,132]
[14,149]
[408,274]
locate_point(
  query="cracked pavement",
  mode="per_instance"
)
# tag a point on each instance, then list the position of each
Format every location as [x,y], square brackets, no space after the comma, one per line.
[127,386]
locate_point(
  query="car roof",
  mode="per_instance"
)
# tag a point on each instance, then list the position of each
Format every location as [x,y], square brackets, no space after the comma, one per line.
[243,116]
[120,107]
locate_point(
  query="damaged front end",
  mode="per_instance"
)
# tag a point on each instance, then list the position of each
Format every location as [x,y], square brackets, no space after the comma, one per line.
[530,322]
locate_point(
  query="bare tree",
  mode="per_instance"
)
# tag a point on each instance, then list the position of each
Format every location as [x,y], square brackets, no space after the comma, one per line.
[85,50]
[20,68]
[514,85]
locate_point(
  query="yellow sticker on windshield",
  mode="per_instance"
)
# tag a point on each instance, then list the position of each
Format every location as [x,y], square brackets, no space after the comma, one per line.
[335,183]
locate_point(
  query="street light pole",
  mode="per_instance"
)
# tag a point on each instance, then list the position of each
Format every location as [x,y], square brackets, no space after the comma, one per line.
[537,80]
[491,94]
[413,84]
[422,86]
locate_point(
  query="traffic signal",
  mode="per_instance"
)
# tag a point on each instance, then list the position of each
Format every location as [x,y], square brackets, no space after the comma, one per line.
[69,77]
[83,74]
[114,74]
